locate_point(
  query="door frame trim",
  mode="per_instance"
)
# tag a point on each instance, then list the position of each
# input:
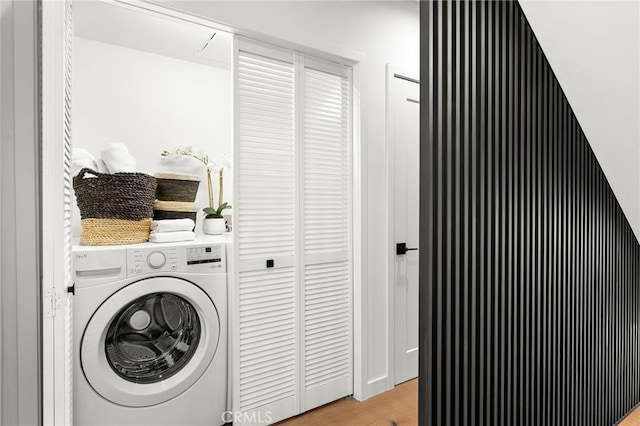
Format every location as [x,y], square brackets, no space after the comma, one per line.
[20,215]
[392,72]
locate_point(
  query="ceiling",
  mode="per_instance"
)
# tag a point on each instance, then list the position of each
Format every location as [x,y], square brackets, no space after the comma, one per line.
[594,50]
[141,30]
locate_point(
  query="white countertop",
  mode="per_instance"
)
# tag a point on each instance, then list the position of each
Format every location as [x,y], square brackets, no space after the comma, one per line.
[225,238]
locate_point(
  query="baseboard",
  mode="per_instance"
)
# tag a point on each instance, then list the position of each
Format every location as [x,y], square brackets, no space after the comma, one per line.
[377,386]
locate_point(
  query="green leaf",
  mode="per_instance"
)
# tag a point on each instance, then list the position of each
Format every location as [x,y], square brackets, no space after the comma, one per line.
[210,210]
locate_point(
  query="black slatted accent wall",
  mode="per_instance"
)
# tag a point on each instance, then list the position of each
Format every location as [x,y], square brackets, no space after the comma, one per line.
[529,274]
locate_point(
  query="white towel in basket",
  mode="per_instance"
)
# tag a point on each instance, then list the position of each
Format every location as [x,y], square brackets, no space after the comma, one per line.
[81,158]
[118,159]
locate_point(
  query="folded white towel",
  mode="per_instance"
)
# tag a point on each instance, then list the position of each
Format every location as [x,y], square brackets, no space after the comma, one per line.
[117,158]
[171,237]
[172,225]
[81,158]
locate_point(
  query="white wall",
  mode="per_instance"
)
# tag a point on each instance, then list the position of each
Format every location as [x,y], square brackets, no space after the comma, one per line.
[377,33]
[594,50]
[150,103]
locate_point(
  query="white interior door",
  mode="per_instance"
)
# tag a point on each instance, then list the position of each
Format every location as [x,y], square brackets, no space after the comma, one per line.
[327,339]
[404,128]
[265,347]
[294,339]
[57,34]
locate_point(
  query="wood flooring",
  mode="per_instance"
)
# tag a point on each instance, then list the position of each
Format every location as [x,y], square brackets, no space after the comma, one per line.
[397,407]
[633,419]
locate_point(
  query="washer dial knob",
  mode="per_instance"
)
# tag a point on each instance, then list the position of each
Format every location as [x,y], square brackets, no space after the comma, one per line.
[156,259]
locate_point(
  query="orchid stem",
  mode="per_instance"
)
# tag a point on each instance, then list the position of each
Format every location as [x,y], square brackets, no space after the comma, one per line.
[210,187]
[220,193]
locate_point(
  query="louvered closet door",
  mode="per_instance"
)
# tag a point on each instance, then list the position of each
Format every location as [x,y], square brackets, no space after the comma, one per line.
[67,212]
[326,201]
[266,384]
[67,323]
[57,350]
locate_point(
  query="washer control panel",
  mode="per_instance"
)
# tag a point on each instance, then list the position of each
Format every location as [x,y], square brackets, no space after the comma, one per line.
[205,254]
[206,258]
[146,260]
[201,258]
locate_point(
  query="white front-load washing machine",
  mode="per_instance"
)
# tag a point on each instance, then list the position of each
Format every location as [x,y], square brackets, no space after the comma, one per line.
[150,334]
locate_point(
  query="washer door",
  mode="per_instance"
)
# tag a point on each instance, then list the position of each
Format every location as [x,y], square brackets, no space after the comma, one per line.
[150,341]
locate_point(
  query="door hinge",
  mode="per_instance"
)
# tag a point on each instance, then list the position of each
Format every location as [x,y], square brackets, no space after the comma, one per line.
[52,302]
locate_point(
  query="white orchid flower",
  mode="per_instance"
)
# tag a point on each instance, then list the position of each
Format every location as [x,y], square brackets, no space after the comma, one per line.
[222,162]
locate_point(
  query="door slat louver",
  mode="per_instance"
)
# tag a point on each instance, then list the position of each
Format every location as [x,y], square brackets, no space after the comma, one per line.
[267,337]
[57,200]
[326,231]
[67,211]
[327,331]
[266,222]
[267,158]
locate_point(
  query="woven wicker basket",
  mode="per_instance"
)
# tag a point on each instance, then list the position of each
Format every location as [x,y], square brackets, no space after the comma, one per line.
[115,208]
[177,187]
[174,210]
[106,232]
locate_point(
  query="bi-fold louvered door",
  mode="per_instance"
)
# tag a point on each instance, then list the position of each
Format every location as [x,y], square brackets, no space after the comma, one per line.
[266,381]
[57,350]
[292,297]
[325,167]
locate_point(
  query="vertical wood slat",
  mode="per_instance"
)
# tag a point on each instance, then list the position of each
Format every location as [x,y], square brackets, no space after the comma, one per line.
[528,294]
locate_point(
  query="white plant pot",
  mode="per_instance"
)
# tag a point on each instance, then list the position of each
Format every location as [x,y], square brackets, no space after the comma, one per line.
[213,226]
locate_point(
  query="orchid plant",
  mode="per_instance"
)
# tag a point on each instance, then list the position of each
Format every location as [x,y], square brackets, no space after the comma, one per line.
[211,211]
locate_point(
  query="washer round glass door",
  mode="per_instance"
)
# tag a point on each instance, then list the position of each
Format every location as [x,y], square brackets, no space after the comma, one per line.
[150,341]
